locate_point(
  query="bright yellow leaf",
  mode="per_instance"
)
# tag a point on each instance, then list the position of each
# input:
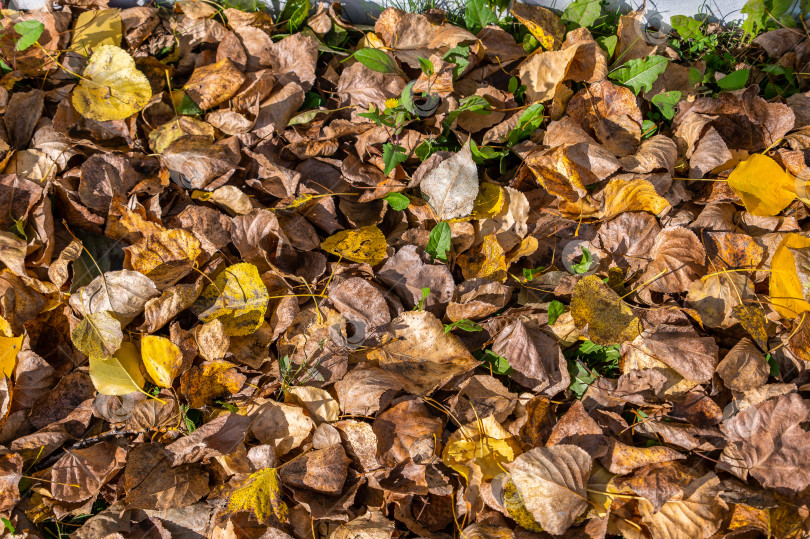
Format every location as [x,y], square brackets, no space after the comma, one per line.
[489,201]
[97,27]
[119,374]
[363,245]
[112,88]
[634,195]
[764,188]
[787,294]
[238,297]
[162,137]
[486,260]
[9,348]
[162,359]
[260,494]
[483,444]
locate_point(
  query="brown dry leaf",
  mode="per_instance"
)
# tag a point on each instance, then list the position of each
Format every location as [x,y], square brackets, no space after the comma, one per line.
[321,470]
[11,465]
[214,84]
[744,367]
[423,353]
[281,425]
[534,355]
[767,442]
[152,483]
[698,514]
[678,257]
[220,436]
[623,459]
[81,473]
[552,482]
[412,35]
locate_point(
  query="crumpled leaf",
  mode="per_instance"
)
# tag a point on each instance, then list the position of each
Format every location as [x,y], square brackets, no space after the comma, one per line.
[452,187]
[237,297]
[123,293]
[365,245]
[203,383]
[698,515]
[480,449]
[423,352]
[609,319]
[119,374]
[260,494]
[552,482]
[112,88]
[633,195]
[81,473]
[214,84]
[678,257]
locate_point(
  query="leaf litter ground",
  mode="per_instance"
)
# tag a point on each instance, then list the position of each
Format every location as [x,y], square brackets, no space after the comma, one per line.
[486,273]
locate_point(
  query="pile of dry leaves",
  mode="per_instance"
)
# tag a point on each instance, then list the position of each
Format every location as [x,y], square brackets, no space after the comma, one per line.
[304,278]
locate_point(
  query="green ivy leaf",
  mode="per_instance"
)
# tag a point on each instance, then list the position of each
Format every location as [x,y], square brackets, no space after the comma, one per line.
[397,201]
[295,12]
[477,15]
[529,121]
[426,65]
[498,364]
[377,60]
[756,16]
[464,325]
[608,43]
[439,241]
[392,156]
[734,81]
[666,102]
[687,27]
[480,154]
[29,31]
[582,13]
[641,73]
[581,378]
[583,265]
[555,309]
[459,55]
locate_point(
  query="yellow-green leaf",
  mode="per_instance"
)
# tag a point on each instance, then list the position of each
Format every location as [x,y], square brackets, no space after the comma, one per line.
[260,495]
[98,334]
[363,245]
[162,359]
[119,374]
[112,88]
[238,297]
[487,260]
[764,188]
[609,319]
[787,293]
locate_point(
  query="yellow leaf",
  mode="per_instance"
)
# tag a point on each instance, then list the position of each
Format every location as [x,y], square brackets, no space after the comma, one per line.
[363,245]
[97,27]
[484,444]
[634,195]
[119,374]
[515,506]
[542,23]
[163,136]
[5,328]
[260,494]
[112,89]
[764,188]
[489,201]
[238,297]
[609,319]
[9,348]
[162,359]
[787,294]
[487,260]
[602,491]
